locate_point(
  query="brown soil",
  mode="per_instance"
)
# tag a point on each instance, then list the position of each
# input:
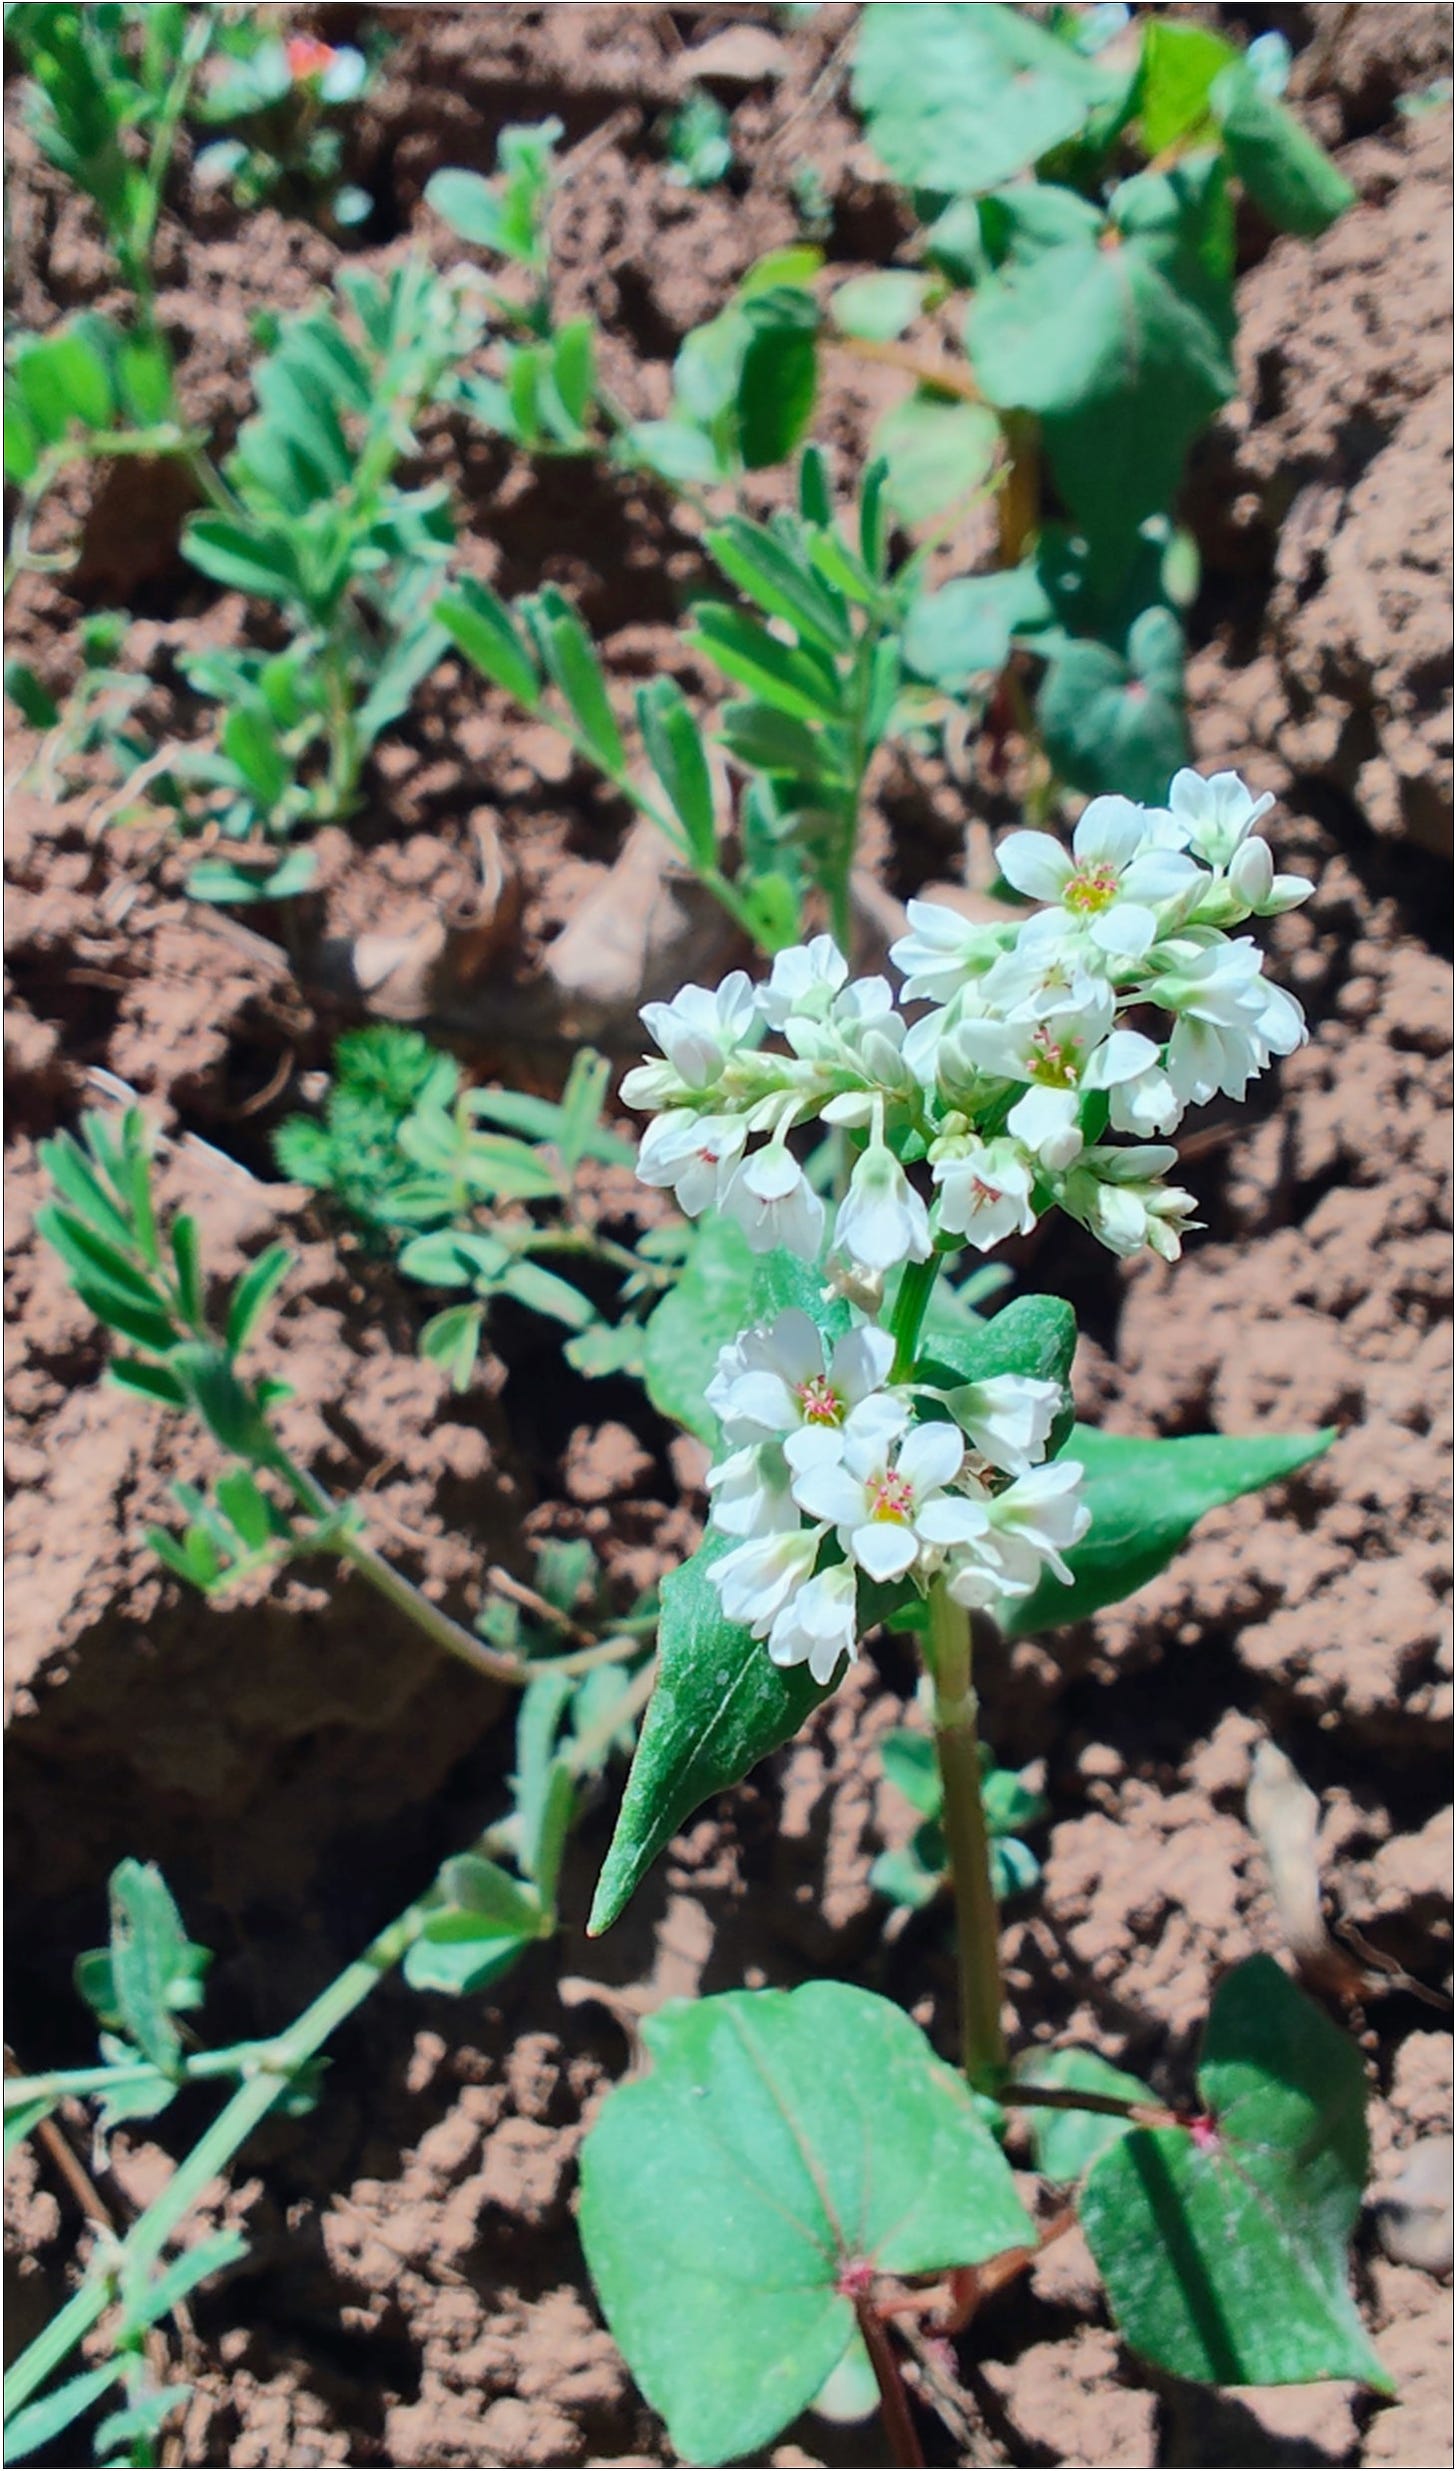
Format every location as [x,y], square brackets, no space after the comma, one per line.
[413,2292]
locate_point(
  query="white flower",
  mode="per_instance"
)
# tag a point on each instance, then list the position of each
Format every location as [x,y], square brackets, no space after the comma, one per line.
[756,1580]
[1044,977]
[921,1051]
[1229,1019]
[805,980]
[1046,1123]
[774,1203]
[1111,884]
[1217,816]
[1252,877]
[861,1033]
[1147,1104]
[1060,1058]
[1009,1417]
[772,1382]
[819,1623]
[889,1511]
[702,1027]
[1251,872]
[985,1190]
[942,952]
[1030,1526]
[1120,1198]
[693,1153]
[749,1494]
[1216,813]
[882,1219]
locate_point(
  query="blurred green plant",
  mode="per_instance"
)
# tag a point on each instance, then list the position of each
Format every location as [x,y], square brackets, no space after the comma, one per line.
[95,717]
[914,1874]
[542,391]
[286,99]
[478,1191]
[743,386]
[110,88]
[81,393]
[699,143]
[1099,336]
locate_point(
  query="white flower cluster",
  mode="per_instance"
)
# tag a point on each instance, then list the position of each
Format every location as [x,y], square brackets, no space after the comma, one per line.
[828,1477]
[1009,1085]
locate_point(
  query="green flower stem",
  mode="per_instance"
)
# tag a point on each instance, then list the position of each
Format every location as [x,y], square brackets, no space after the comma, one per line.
[138,249]
[917,1285]
[67,2084]
[274,2066]
[390,1583]
[958,1750]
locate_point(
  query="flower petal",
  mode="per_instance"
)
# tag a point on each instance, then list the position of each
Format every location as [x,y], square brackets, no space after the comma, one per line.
[884,1548]
[1110,832]
[930,1455]
[827,1490]
[1036,863]
[950,1519]
[861,1362]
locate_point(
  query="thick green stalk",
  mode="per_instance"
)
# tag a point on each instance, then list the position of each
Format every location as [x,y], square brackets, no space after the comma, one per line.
[963,1817]
[274,2066]
[917,1284]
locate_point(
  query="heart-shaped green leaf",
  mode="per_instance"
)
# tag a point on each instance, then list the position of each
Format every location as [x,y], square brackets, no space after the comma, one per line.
[1286,171]
[1223,2247]
[1122,365]
[1114,724]
[780,2138]
[956,99]
[935,452]
[969,624]
[1145,1497]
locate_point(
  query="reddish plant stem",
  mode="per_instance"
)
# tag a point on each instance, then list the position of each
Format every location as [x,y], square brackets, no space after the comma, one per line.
[894,2401]
[1109,2105]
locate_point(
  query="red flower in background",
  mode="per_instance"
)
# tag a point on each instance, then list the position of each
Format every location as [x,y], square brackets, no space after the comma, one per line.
[306,56]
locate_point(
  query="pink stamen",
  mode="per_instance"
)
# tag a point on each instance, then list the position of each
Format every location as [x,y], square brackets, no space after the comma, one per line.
[893,1499]
[1091,889]
[819,1401]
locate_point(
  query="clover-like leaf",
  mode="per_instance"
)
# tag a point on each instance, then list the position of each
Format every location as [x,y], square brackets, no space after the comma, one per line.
[782,2139]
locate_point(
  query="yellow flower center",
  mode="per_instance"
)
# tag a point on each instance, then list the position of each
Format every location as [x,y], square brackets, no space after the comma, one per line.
[893,1500]
[1091,889]
[1055,1067]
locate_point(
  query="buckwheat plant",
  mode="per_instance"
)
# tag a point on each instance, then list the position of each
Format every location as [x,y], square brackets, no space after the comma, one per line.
[750,2207]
